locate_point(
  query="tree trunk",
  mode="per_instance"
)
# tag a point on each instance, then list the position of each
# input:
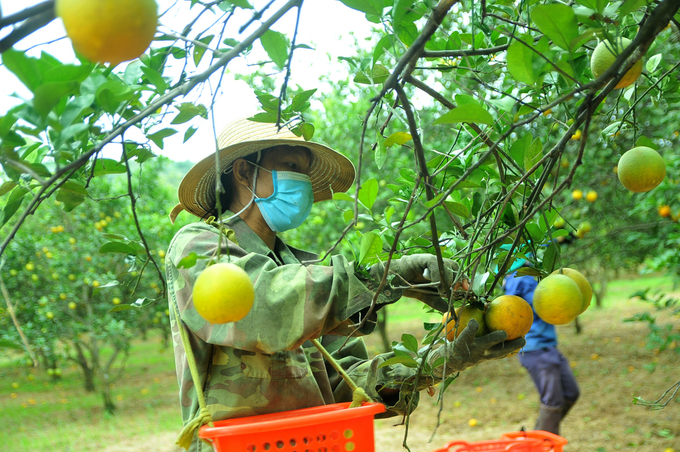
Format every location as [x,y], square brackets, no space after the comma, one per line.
[88,371]
[109,406]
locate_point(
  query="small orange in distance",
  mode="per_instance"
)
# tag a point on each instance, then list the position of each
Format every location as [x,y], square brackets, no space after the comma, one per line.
[511,314]
[577,195]
[591,196]
[223,293]
[665,211]
[464,315]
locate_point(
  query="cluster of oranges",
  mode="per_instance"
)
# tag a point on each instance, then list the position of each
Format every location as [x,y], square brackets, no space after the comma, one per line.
[558,299]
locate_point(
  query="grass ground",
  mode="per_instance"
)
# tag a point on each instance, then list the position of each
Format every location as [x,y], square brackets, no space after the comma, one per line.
[610,359]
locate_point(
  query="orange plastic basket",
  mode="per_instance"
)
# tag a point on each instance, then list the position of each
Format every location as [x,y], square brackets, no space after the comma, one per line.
[494,445]
[328,428]
[549,441]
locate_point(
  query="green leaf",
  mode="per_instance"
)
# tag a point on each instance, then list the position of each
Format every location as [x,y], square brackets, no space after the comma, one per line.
[276,46]
[468,110]
[14,201]
[117,247]
[644,141]
[533,154]
[188,111]
[368,193]
[111,94]
[155,78]
[67,73]
[72,194]
[48,95]
[23,67]
[304,130]
[653,62]
[108,166]
[550,257]
[157,137]
[558,22]
[407,361]
[379,74]
[190,260]
[342,196]
[520,60]
[399,138]
[373,7]
[6,187]
[6,343]
[597,5]
[629,6]
[199,51]
[380,152]
[410,342]
[301,99]
[457,208]
[188,134]
[519,147]
[71,131]
[371,246]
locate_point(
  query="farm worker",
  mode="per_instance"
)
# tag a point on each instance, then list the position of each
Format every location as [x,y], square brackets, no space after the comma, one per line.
[265,363]
[549,369]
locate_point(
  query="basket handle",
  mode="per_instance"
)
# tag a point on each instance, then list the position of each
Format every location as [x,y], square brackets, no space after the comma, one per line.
[359,396]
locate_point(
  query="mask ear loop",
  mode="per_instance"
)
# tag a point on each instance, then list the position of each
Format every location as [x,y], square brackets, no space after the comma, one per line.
[252,198]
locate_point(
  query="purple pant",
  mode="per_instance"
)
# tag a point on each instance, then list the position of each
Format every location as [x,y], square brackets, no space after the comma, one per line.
[552,375]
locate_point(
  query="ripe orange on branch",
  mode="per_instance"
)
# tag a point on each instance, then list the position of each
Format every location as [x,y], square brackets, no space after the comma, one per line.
[223,293]
[464,315]
[641,169]
[109,31]
[511,314]
[582,283]
[558,299]
[604,56]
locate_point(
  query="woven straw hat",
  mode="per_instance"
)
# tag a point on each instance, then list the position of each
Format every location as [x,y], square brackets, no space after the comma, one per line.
[330,171]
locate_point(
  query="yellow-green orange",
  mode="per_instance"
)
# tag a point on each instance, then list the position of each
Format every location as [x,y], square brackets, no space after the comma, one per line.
[511,314]
[604,56]
[464,315]
[223,293]
[109,31]
[557,299]
[581,282]
[641,169]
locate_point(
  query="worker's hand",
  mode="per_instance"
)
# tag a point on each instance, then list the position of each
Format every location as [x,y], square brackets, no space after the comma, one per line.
[468,350]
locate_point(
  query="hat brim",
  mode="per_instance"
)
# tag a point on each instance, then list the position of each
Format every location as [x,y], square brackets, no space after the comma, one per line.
[330,172]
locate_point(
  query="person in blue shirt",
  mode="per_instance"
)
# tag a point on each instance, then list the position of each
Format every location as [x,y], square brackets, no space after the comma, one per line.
[549,369]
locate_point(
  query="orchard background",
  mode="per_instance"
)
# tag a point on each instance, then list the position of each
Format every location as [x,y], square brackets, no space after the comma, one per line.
[471,125]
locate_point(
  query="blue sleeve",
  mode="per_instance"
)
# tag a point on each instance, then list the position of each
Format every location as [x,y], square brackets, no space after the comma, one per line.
[522,286]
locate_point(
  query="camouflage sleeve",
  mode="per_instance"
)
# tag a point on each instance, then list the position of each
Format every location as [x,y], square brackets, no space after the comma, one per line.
[293,302]
[352,356]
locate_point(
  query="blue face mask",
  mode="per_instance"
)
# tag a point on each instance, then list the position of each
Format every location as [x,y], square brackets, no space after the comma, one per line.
[290,204]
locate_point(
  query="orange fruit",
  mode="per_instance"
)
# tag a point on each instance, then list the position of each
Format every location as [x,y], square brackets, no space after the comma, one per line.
[511,314]
[604,56]
[665,211]
[577,195]
[577,135]
[223,293]
[582,283]
[641,169]
[557,299]
[591,196]
[109,31]
[464,314]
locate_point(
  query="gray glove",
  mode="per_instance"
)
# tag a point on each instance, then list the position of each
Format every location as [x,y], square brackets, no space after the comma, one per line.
[419,269]
[467,350]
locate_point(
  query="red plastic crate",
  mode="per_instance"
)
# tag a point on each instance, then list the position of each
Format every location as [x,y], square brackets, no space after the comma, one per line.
[331,428]
[549,441]
[494,445]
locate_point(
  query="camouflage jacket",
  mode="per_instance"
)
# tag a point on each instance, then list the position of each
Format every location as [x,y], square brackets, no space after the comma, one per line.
[265,363]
